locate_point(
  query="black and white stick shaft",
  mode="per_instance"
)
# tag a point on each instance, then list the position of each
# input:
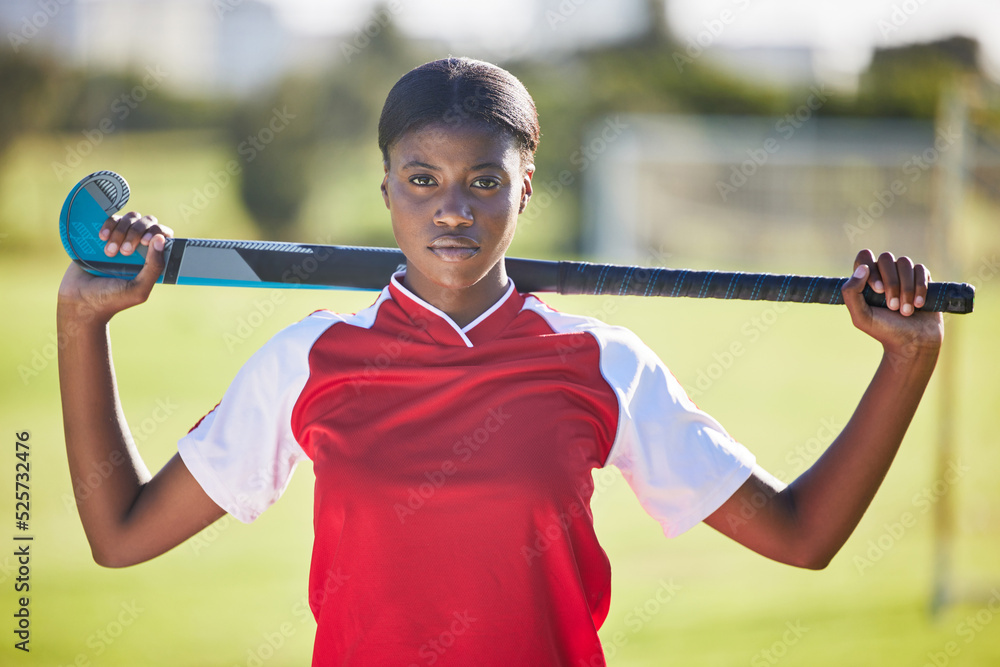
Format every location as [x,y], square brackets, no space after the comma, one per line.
[272,264]
[250,263]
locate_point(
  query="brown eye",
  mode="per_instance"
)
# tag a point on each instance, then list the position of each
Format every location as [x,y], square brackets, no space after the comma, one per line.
[485,183]
[422,180]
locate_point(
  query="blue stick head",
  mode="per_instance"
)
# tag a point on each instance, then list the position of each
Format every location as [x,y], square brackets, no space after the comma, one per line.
[92,201]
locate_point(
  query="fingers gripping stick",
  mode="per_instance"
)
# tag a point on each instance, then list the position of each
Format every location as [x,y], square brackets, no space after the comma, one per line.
[92,201]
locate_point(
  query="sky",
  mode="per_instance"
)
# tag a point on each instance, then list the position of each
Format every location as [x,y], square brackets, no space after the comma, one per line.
[843,32]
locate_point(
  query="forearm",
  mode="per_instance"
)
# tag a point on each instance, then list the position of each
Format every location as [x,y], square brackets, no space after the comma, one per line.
[106,470]
[829,499]
[806,522]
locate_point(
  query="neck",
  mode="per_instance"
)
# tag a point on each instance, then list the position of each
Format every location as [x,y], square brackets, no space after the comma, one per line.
[462,304]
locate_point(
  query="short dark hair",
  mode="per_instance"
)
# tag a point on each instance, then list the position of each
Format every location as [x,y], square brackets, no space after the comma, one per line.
[457,90]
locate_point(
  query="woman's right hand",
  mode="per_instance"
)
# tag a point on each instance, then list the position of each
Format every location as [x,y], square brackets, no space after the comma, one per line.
[82,295]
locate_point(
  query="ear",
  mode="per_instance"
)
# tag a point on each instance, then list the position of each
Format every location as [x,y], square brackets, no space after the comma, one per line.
[385,184]
[526,187]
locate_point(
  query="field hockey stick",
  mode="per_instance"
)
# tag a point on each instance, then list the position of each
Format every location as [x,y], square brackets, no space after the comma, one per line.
[299,265]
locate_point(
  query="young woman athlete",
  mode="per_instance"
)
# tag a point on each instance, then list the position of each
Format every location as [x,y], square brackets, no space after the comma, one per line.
[456,420]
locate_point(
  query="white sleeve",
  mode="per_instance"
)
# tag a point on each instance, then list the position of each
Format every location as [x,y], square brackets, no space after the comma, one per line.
[243,452]
[681,463]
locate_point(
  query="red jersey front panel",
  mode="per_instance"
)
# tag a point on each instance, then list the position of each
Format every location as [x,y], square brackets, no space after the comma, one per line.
[454,473]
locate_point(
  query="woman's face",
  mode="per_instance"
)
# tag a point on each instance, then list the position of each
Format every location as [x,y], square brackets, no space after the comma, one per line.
[454,193]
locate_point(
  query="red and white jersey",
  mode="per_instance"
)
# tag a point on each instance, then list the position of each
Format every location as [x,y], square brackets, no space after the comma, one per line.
[454,472]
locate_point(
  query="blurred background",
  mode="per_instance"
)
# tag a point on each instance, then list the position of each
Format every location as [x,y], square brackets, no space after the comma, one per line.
[735,134]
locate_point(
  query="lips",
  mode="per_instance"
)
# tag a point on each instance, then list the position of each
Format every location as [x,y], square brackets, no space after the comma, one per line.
[453,242]
[454,248]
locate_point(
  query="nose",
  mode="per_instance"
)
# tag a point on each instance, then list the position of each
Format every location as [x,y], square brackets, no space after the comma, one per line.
[454,208]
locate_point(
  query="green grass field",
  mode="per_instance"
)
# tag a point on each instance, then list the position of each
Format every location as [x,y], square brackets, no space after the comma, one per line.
[234,595]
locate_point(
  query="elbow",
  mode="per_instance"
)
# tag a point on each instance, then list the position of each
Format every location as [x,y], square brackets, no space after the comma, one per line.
[112,556]
[109,559]
[812,558]
[812,546]
[815,563]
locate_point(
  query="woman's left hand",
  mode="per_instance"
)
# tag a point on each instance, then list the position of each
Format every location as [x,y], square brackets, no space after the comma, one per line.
[902,327]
